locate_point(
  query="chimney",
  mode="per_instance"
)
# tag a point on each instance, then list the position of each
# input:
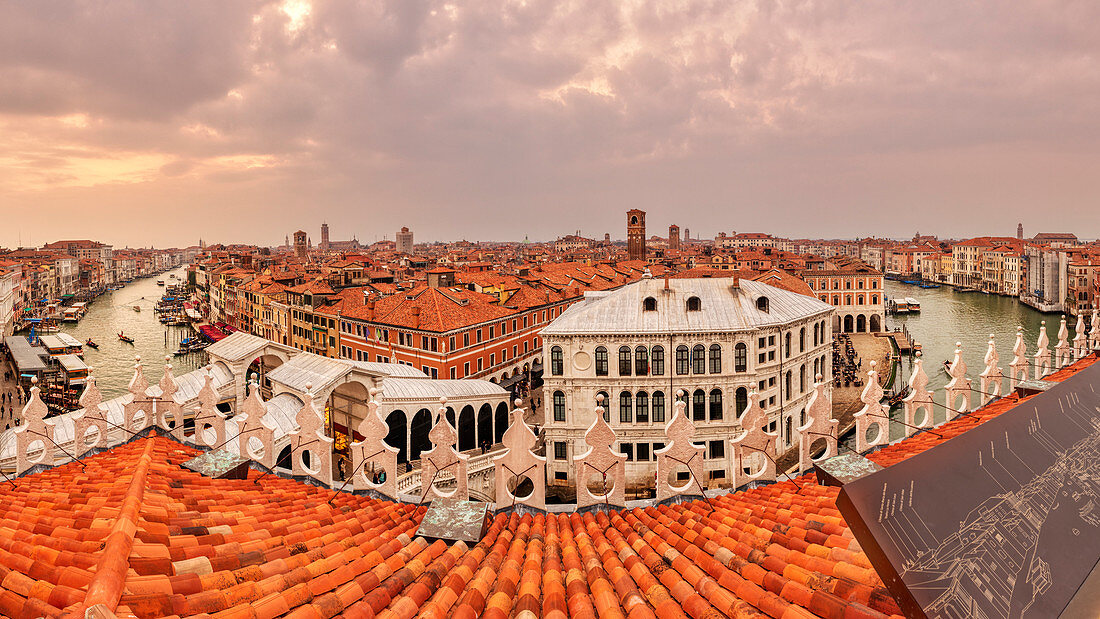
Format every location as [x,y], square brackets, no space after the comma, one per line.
[416,317]
[666,281]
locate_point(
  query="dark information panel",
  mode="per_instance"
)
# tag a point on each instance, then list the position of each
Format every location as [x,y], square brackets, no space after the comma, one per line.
[1002,521]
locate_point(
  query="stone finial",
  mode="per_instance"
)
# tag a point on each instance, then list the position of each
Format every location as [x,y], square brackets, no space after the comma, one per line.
[990,380]
[872,415]
[256,433]
[443,462]
[138,412]
[169,413]
[1042,361]
[373,461]
[1063,353]
[601,460]
[1094,330]
[679,451]
[819,425]
[1018,366]
[753,445]
[90,416]
[34,437]
[959,387]
[308,440]
[1080,339]
[918,400]
[518,462]
[208,417]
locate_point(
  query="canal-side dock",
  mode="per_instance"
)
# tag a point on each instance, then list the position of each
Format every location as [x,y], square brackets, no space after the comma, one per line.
[902,340]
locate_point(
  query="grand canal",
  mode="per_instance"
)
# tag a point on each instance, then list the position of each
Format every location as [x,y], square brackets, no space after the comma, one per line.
[947,317]
[112,312]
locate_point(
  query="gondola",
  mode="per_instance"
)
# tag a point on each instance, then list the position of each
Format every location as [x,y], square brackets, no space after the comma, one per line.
[91,344]
[126,338]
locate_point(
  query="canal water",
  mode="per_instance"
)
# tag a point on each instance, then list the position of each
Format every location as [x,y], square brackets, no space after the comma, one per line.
[947,317]
[111,312]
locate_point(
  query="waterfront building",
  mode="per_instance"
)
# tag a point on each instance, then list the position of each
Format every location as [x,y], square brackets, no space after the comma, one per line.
[967,258]
[720,340]
[10,276]
[1003,270]
[855,289]
[404,241]
[635,234]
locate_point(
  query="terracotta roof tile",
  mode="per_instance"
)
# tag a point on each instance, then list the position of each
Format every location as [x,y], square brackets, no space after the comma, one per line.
[144,536]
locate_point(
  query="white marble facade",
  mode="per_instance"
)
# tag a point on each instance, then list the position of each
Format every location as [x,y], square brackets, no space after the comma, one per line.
[716,339]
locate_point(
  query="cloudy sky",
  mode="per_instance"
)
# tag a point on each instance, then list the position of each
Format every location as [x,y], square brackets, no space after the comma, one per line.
[150,122]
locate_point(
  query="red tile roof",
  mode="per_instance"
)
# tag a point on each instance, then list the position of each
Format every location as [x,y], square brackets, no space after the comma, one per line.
[136,532]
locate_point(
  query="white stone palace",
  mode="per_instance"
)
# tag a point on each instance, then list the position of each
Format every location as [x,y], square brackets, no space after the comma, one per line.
[720,340]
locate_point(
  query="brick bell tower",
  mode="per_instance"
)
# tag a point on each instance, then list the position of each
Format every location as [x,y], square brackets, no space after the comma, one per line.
[635,234]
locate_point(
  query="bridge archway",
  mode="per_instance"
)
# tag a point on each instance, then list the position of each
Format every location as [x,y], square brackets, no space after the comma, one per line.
[485,424]
[501,422]
[260,366]
[398,426]
[418,433]
[466,430]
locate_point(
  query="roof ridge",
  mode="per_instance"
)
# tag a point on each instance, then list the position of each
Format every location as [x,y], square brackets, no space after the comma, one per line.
[110,576]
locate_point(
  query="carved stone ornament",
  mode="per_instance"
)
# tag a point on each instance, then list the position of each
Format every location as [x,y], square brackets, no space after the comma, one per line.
[754,448]
[820,425]
[1063,353]
[1080,339]
[373,461]
[138,412]
[1018,367]
[917,406]
[991,379]
[519,462]
[91,416]
[601,462]
[168,410]
[679,451]
[34,437]
[308,438]
[959,387]
[208,417]
[1042,360]
[443,461]
[872,415]
[256,433]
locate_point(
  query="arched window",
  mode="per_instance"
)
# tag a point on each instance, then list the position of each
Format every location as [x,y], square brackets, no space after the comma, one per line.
[787,344]
[790,433]
[874,299]
[802,379]
[693,304]
[698,359]
[740,357]
[624,361]
[606,405]
[641,361]
[715,404]
[859,284]
[859,299]
[557,367]
[657,362]
[658,407]
[601,361]
[641,407]
[625,406]
[698,405]
[802,340]
[683,361]
[715,359]
[816,370]
[816,332]
[788,385]
[740,400]
[763,305]
[559,406]
[802,418]
[649,304]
